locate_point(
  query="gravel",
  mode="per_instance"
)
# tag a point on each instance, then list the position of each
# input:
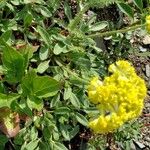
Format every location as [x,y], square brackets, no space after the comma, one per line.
[141,65]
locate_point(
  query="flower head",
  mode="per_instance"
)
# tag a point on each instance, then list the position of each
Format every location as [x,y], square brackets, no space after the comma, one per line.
[119,97]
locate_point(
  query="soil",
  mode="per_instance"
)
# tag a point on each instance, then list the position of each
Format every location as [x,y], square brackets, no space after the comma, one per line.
[140,65]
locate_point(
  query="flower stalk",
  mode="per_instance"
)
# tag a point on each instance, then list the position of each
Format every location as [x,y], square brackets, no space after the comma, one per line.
[108,33]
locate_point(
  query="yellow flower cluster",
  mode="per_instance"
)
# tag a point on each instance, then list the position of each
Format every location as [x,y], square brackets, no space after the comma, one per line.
[148,23]
[119,97]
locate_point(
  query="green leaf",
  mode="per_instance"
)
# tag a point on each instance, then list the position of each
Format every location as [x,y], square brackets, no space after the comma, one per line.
[6,35]
[44,34]
[15,2]
[55,100]
[39,86]
[33,133]
[74,131]
[28,19]
[23,107]
[67,10]
[3,141]
[125,8]
[44,11]
[43,54]
[43,66]
[2,89]
[18,139]
[81,119]
[35,103]
[68,131]
[45,86]
[65,132]
[138,3]
[62,110]
[98,26]
[58,48]
[74,100]
[31,145]
[6,100]
[59,146]
[67,93]
[80,59]
[14,63]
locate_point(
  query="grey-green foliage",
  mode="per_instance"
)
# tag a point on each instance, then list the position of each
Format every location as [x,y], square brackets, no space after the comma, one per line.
[102,3]
[90,4]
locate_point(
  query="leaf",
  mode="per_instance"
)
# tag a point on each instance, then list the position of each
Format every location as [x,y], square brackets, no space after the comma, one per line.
[44,34]
[28,19]
[55,100]
[65,132]
[27,83]
[68,131]
[45,12]
[98,26]
[10,122]
[144,54]
[80,59]
[62,110]
[59,146]
[28,50]
[35,103]
[58,49]
[2,89]
[43,66]
[33,133]
[3,141]
[15,2]
[126,9]
[31,145]
[67,10]
[81,119]
[6,100]
[45,86]
[74,131]
[138,3]
[6,35]
[67,93]
[43,54]
[23,107]
[2,70]
[74,100]
[14,63]
[39,86]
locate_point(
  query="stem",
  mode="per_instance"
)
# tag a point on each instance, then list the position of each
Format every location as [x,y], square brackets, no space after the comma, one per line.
[108,33]
[73,24]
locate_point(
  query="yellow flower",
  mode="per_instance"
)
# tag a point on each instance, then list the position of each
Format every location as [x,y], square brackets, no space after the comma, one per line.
[148,23]
[95,83]
[119,97]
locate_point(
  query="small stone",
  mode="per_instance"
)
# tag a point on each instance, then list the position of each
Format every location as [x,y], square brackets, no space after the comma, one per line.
[142,49]
[148,139]
[147,70]
[140,145]
[146,40]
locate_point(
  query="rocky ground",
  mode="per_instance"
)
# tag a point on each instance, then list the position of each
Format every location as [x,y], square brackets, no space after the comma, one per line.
[142,65]
[145,119]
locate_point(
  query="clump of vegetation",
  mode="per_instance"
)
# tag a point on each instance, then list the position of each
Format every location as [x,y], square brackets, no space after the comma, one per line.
[50,50]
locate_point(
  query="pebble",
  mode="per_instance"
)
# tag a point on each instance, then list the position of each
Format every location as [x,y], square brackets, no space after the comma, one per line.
[147,70]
